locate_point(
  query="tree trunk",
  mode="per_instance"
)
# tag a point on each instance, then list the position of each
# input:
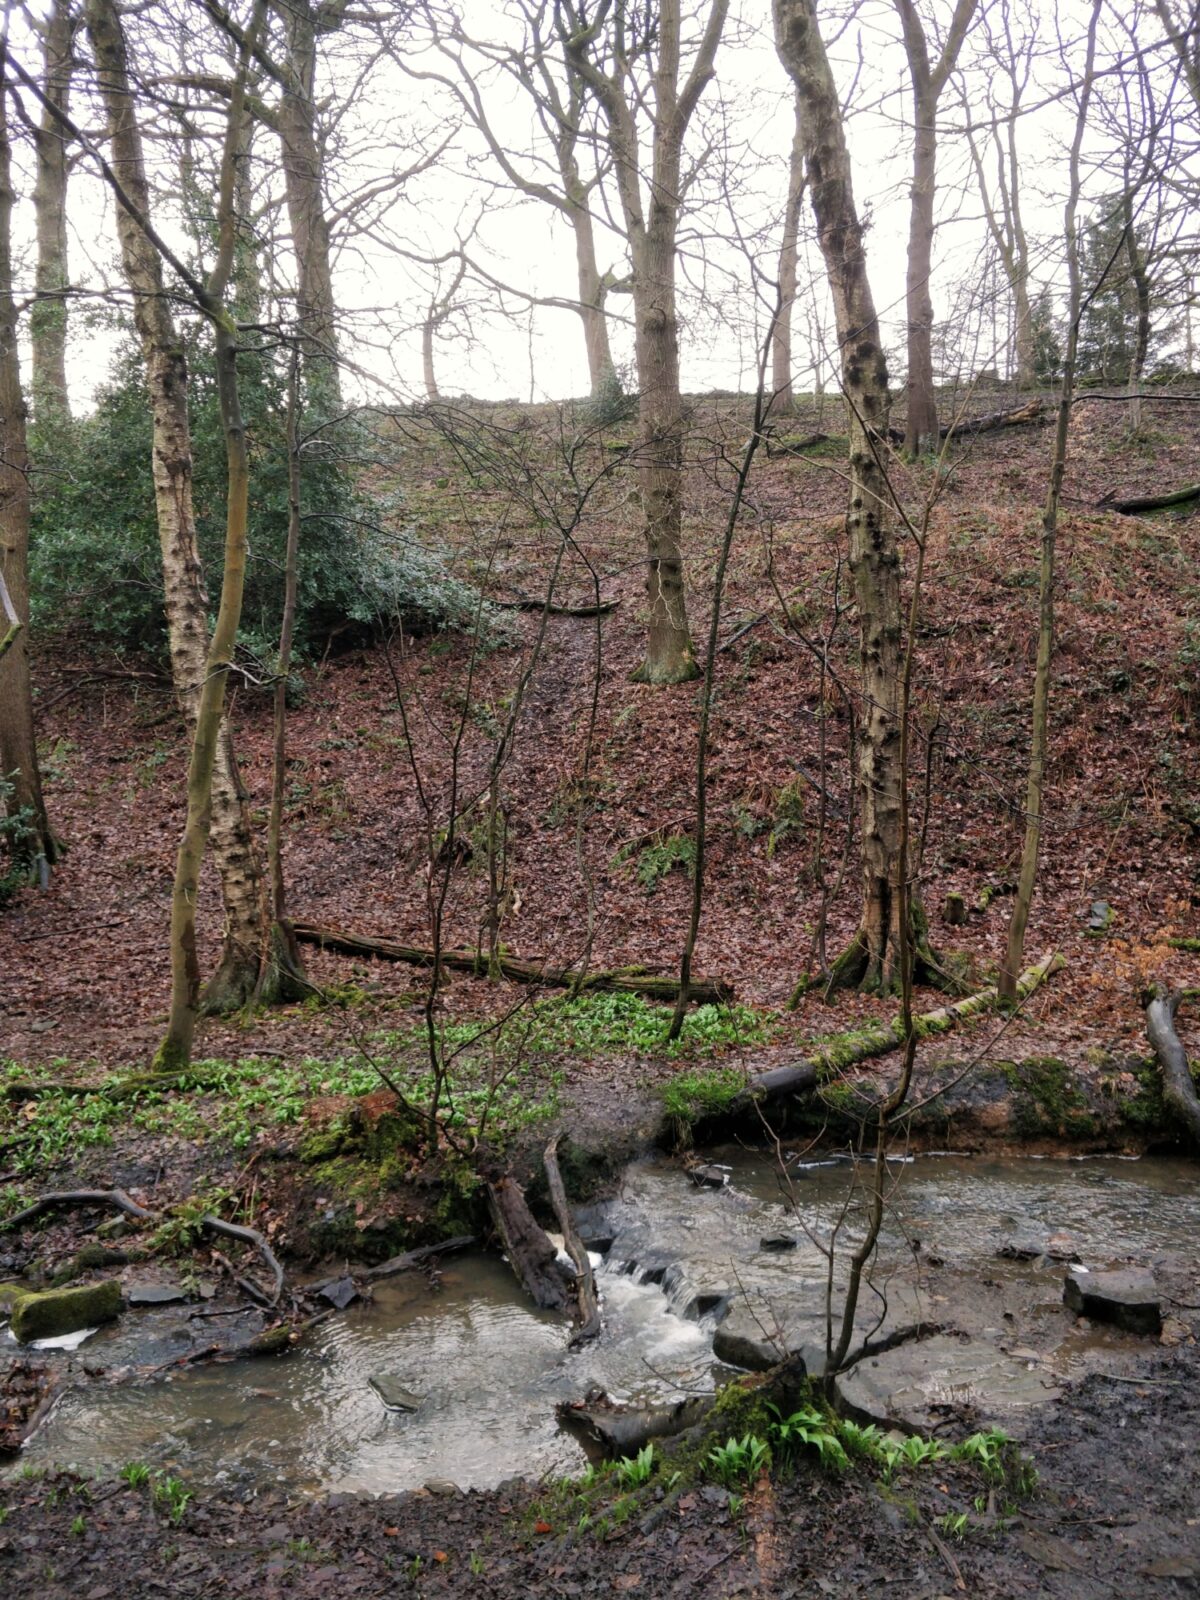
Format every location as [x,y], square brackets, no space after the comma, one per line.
[427,369]
[48,318]
[1135,259]
[175,1051]
[186,603]
[872,956]
[669,654]
[781,343]
[592,292]
[1018,279]
[302,174]
[921,423]
[31,841]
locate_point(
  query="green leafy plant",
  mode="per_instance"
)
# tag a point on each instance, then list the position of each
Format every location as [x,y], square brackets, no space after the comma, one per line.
[810,1428]
[135,1474]
[633,1471]
[169,1493]
[739,1460]
[954,1524]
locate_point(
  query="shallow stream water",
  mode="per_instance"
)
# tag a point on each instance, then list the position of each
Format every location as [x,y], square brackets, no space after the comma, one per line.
[490,1370]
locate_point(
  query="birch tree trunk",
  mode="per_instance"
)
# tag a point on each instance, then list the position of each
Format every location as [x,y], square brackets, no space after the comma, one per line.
[175,1051]
[873,955]
[32,843]
[48,318]
[781,342]
[186,602]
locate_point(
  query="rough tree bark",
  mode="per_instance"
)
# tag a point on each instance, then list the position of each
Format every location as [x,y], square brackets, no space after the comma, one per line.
[781,342]
[302,174]
[186,602]
[1040,733]
[928,81]
[872,956]
[603,52]
[48,318]
[32,843]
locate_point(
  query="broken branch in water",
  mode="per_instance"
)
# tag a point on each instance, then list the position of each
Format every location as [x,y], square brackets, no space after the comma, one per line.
[587,1310]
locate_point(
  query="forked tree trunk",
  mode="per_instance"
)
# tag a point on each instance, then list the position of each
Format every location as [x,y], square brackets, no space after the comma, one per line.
[781,343]
[651,229]
[302,175]
[175,1051]
[31,843]
[186,603]
[1040,732]
[592,288]
[48,318]
[874,557]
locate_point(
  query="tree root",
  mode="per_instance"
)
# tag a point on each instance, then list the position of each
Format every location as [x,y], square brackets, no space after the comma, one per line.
[77,1197]
[234,1230]
[1179,1091]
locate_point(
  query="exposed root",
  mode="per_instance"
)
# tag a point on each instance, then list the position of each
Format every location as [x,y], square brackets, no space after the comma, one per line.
[116,1198]
[234,1230]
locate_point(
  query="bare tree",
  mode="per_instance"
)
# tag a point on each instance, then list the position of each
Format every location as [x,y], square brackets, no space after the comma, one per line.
[1008,65]
[1036,787]
[242,888]
[30,840]
[928,79]
[552,85]
[606,48]
[873,955]
[781,341]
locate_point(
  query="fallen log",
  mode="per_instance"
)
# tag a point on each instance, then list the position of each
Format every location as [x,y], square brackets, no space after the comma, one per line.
[417,1258]
[116,1198]
[1016,417]
[1133,504]
[1179,1091]
[793,445]
[850,1048]
[600,609]
[587,1306]
[234,1230]
[530,1253]
[622,1430]
[702,991]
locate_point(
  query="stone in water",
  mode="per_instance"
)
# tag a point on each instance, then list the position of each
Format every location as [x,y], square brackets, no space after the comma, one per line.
[1126,1296]
[394,1395]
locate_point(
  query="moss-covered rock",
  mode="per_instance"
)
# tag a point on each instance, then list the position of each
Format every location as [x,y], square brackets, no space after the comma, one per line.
[10,1296]
[60,1311]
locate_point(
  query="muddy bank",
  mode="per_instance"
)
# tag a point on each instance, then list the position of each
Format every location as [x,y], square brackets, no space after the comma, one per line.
[1114,1510]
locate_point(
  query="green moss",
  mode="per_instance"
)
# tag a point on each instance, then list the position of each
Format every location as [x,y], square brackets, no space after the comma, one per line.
[692,1097]
[62,1311]
[1048,1100]
[11,1294]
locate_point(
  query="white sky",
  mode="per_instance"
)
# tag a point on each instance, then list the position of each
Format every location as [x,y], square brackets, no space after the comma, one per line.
[540,353]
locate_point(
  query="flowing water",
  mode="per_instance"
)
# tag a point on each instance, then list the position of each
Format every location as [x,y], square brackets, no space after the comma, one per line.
[489,1370]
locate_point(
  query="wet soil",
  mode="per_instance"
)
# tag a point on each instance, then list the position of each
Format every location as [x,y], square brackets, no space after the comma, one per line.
[1115,1512]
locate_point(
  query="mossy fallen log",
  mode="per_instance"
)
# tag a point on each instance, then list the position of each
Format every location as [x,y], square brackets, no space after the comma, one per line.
[848,1049]
[701,991]
[1134,505]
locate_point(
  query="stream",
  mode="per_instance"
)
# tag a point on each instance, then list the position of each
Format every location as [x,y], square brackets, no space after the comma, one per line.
[685,1282]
